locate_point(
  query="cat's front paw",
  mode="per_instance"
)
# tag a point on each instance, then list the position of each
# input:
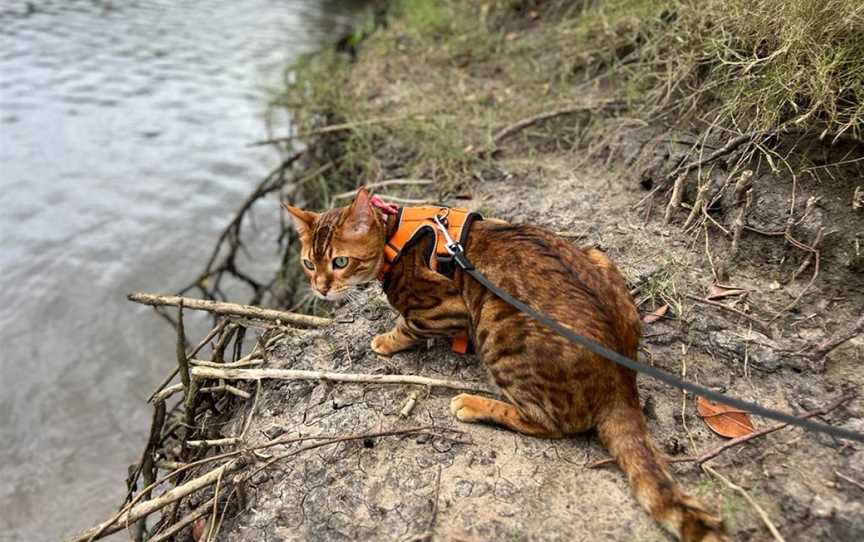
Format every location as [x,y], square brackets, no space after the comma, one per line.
[464,408]
[382,345]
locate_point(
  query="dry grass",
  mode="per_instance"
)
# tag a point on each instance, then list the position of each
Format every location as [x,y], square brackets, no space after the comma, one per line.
[435,82]
[740,64]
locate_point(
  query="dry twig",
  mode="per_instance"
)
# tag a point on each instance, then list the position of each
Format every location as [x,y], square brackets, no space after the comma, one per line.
[761,324]
[147,507]
[295,374]
[520,125]
[823,348]
[409,405]
[230,309]
[765,519]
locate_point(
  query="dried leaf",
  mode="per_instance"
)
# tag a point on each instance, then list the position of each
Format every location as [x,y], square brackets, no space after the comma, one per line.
[719,292]
[724,420]
[656,315]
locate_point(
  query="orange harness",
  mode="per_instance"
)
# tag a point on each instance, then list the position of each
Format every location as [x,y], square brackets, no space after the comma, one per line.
[412,225]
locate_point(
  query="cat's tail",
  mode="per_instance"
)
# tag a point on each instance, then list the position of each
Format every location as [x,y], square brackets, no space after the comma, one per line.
[625,435]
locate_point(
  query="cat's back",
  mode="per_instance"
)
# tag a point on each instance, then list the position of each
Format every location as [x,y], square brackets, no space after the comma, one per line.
[576,286]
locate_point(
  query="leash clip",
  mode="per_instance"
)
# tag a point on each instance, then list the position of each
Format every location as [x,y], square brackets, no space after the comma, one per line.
[453,247]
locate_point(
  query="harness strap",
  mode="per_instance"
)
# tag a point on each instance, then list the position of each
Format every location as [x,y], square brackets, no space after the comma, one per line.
[412,223]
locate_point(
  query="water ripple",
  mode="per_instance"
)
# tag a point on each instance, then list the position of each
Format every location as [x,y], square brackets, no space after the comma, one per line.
[123,131]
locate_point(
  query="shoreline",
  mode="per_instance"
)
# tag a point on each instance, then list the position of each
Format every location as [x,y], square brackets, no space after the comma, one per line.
[316,463]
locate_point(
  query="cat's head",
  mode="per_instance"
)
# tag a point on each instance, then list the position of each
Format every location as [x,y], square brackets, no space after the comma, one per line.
[341,248]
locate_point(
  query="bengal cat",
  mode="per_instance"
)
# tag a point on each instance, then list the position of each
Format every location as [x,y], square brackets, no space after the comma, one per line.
[552,388]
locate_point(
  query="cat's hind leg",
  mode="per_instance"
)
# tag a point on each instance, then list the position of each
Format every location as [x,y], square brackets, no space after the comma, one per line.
[473,408]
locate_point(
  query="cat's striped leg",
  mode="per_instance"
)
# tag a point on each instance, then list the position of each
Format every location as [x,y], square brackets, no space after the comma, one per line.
[473,408]
[397,339]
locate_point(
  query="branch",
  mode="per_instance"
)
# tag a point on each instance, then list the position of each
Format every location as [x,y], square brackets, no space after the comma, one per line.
[520,125]
[293,374]
[146,508]
[765,519]
[189,518]
[832,342]
[230,309]
[761,324]
[730,146]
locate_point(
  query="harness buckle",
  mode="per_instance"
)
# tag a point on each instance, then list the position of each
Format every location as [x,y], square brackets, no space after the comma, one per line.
[453,247]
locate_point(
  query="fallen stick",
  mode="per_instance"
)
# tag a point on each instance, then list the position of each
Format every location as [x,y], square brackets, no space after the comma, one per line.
[520,125]
[409,405]
[201,511]
[832,342]
[213,332]
[711,454]
[226,387]
[294,374]
[245,362]
[146,508]
[675,200]
[730,146]
[227,441]
[97,532]
[765,519]
[229,309]
[761,324]
[165,393]
[852,481]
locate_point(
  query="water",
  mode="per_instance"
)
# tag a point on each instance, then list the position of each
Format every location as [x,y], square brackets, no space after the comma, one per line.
[123,132]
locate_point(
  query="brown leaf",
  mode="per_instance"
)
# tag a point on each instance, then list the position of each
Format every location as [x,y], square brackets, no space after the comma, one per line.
[724,420]
[719,292]
[656,315]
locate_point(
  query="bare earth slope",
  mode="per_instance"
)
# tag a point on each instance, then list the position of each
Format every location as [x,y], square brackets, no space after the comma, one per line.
[496,485]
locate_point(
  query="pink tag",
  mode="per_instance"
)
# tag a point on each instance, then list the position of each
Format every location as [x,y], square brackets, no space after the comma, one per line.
[386,208]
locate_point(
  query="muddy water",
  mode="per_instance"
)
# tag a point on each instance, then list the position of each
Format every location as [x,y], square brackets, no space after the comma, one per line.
[123,127]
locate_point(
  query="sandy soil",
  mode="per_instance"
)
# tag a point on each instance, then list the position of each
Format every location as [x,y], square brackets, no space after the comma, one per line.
[496,485]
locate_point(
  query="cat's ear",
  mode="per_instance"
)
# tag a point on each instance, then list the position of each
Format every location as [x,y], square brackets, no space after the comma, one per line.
[303,220]
[359,219]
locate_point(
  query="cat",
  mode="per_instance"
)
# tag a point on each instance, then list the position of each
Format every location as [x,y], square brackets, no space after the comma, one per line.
[552,388]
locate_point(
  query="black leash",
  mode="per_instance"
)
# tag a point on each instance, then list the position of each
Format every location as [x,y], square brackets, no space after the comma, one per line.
[462,261]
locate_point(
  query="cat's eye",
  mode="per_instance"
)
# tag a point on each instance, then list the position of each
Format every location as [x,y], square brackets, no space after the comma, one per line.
[309,265]
[340,262]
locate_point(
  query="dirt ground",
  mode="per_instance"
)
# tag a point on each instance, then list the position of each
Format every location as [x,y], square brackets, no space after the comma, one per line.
[491,484]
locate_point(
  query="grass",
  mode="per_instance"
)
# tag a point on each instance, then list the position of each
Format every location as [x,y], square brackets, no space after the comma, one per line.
[425,95]
[435,79]
[740,64]
[439,77]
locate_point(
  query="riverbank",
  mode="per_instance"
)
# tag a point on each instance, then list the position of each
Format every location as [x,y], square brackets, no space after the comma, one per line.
[759,274]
